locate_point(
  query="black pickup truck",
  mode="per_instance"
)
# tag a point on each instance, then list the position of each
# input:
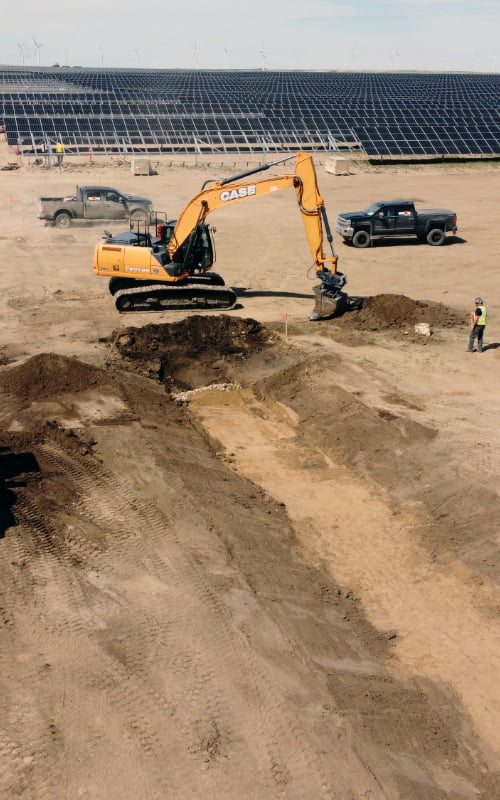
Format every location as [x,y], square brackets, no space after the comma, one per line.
[396,219]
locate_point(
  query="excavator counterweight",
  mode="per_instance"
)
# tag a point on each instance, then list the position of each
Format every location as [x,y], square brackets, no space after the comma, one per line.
[166,264]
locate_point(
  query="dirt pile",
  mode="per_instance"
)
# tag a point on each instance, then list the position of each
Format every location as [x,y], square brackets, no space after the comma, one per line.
[398,312]
[194,336]
[47,375]
[193,352]
[352,432]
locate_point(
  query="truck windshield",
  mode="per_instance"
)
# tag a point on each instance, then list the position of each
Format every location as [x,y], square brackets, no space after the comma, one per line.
[371,210]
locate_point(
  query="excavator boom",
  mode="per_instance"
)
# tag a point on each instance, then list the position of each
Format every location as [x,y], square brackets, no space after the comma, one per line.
[230,191]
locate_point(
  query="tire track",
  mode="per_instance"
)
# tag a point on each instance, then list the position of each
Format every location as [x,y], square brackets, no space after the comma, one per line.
[205,702]
[178,667]
[12,766]
[270,717]
[30,746]
[201,695]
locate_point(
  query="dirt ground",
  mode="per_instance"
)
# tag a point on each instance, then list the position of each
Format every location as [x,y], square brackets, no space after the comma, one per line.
[242,554]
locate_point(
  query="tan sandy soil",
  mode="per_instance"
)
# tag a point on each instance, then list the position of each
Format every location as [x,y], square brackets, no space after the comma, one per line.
[239,557]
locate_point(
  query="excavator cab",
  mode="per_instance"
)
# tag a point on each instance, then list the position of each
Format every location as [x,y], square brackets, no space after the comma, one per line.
[197,254]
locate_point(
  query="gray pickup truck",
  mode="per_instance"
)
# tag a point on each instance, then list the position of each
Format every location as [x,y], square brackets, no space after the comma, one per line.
[93,202]
[396,219]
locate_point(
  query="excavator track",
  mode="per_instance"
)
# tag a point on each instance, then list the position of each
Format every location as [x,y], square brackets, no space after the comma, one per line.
[161,297]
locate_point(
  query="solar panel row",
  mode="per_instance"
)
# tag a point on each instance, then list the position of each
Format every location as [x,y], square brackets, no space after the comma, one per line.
[383,114]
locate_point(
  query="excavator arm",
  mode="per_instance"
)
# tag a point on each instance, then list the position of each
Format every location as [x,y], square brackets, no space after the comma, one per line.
[232,190]
[329,298]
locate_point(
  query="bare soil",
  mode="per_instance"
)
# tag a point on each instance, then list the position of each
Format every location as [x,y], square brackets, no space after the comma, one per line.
[243,554]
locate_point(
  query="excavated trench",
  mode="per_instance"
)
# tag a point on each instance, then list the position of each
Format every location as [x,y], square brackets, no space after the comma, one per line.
[223,351]
[274,454]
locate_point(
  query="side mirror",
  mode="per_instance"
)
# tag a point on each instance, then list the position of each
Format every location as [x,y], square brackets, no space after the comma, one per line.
[381,214]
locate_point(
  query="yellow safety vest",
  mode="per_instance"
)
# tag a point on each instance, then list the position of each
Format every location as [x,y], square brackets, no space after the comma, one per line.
[59,148]
[482,319]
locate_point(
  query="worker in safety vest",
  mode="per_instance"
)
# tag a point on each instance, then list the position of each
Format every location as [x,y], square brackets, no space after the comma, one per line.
[59,148]
[478,319]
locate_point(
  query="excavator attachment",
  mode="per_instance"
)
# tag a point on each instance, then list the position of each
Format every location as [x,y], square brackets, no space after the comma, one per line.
[330,300]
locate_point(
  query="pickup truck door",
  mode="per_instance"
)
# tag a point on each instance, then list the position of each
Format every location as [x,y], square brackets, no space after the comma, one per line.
[115,205]
[384,221]
[405,219]
[93,206]
[394,220]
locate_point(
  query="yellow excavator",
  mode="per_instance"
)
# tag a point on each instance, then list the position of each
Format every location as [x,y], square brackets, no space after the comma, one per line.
[166,264]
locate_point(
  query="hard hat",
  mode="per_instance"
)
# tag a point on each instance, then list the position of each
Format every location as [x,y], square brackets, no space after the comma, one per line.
[479,301]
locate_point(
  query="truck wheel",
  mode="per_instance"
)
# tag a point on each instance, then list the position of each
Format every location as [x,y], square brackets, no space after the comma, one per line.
[62,220]
[137,214]
[435,236]
[361,239]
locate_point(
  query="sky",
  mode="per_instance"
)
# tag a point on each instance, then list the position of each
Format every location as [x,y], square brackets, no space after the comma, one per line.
[434,35]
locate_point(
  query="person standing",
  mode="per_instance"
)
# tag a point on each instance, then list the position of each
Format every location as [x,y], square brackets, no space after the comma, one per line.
[59,153]
[478,319]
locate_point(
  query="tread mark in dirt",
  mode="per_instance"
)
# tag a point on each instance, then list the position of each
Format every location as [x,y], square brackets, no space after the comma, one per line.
[35,741]
[12,767]
[289,743]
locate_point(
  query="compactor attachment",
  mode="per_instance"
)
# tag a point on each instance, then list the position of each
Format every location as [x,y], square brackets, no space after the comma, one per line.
[330,300]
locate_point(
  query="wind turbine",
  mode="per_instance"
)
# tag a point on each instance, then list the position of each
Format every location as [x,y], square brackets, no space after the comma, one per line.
[196,56]
[38,45]
[21,52]
[226,55]
[136,57]
[263,54]
[102,56]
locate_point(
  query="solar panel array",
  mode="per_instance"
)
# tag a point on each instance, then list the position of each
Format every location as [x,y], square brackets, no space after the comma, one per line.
[381,114]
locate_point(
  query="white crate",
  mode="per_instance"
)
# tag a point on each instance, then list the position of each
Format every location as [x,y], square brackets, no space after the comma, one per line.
[141,166]
[338,166]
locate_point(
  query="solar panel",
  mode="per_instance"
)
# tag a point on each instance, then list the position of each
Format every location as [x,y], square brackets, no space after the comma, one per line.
[382,114]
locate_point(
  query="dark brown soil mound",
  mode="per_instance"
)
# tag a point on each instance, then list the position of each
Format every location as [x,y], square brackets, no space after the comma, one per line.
[48,374]
[194,337]
[395,311]
[196,351]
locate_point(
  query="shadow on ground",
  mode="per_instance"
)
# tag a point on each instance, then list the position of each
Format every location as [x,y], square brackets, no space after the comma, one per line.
[12,465]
